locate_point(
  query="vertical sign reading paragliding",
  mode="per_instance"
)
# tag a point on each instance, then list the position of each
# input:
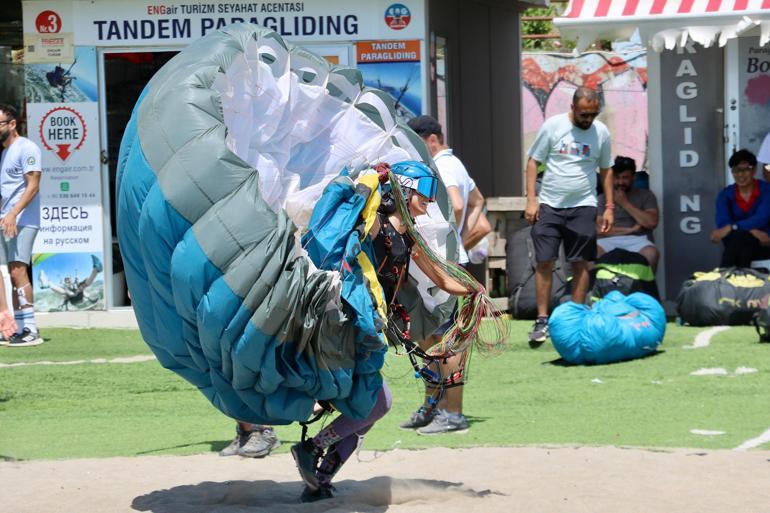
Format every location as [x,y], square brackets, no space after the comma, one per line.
[63,119]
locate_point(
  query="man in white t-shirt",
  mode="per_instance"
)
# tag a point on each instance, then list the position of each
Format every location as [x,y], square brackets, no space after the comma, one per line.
[572,146]
[763,157]
[19,221]
[472,226]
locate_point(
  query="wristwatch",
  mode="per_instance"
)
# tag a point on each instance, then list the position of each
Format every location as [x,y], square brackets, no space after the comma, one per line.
[734,227]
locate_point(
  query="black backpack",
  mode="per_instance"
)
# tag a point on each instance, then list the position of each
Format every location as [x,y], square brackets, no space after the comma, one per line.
[624,271]
[725,296]
[520,268]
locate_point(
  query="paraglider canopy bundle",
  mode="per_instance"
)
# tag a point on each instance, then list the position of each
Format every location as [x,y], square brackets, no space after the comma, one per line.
[237,146]
[616,328]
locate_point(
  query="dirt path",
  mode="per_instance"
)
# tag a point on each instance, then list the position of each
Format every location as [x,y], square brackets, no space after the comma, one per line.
[527,479]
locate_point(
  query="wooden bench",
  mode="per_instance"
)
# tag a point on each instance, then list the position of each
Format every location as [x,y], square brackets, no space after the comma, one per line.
[505,214]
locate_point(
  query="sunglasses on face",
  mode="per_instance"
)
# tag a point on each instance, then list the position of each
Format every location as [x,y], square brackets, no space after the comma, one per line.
[743,169]
[5,121]
[587,115]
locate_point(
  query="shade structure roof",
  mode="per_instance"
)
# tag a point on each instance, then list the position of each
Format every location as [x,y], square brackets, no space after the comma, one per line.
[664,24]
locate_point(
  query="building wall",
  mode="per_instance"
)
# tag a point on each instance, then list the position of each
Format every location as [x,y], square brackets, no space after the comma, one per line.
[484,62]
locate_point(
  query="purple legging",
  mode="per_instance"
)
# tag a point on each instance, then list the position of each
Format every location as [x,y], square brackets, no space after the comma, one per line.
[342,435]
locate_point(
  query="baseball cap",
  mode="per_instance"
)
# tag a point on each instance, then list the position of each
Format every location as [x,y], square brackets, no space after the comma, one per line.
[424,126]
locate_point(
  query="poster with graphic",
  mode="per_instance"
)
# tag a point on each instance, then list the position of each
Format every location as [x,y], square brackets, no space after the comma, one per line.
[551,79]
[63,119]
[754,87]
[70,187]
[68,281]
[61,82]
[394,67]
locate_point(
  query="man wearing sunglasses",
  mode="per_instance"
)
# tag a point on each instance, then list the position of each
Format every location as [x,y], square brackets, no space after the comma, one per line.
[743,214]
[19,221]
[571,146]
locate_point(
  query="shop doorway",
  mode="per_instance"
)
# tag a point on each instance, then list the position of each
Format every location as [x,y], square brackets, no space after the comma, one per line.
[124,74]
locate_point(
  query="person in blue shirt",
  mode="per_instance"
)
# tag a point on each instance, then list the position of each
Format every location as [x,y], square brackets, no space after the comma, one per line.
[743,214]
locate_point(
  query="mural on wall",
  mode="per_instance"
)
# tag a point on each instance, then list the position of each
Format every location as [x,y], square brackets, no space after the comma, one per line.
[754,84]
[550,80]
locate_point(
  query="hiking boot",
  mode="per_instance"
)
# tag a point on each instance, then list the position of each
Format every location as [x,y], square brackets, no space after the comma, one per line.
[259,443]
[422,417]
[25,339]
[445,422]
[321,493]
[539,332]
[306,456]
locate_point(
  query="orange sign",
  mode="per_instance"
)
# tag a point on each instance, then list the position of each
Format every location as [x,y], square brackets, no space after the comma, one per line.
[388,51]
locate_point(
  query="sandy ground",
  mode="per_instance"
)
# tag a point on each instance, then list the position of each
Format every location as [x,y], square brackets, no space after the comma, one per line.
[527,479]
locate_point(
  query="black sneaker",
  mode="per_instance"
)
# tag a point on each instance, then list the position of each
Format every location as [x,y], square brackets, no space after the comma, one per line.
[26,338]
[539,332]
[320,493]
[306,456]
[259,443]
[421,418]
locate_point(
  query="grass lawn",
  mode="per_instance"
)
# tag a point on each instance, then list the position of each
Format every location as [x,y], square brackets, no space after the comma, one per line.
[514,398]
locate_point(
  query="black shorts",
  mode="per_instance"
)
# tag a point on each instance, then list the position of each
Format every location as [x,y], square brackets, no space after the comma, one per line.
[575,226]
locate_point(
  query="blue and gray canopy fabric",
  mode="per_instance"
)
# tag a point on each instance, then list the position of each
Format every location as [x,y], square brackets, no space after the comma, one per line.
[237,147]
[616,328]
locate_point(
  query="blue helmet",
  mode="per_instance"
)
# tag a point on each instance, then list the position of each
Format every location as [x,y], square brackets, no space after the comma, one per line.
[417,176]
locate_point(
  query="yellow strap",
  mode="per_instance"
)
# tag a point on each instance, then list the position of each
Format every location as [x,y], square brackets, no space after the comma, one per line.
[369,214]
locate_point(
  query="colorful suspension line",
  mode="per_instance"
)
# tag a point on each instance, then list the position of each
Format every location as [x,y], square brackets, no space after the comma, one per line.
[467,329]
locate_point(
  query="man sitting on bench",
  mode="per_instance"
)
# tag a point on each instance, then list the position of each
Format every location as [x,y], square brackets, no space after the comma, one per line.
[636,215]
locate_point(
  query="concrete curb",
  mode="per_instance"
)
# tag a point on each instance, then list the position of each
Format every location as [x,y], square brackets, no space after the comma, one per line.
[122,318]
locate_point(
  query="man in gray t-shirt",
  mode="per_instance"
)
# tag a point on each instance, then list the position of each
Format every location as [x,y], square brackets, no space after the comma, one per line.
[20,170]
[636,215]
[572,146]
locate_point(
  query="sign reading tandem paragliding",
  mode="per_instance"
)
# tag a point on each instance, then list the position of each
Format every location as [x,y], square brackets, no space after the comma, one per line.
[157,22]
[394,67]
